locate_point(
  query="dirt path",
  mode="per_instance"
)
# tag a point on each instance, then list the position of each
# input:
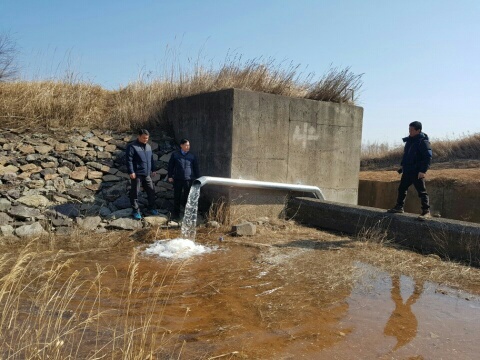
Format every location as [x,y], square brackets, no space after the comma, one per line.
[461,175]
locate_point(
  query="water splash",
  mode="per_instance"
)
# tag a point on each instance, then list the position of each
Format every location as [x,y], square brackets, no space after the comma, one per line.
[176,248]
[185,246]
[189,222]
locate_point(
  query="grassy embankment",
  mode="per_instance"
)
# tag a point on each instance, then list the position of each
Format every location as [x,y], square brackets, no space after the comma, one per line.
[458,153]
[72,103]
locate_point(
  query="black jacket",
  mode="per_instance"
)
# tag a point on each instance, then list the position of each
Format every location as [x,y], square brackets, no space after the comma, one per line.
[183,167]
[139,158]
[417,154]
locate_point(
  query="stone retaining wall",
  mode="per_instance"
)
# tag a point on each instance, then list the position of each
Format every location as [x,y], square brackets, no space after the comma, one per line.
[51,182]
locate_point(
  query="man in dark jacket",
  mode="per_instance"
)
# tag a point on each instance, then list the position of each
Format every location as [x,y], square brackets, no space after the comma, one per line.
[182,170]
[139,158]
[415,163]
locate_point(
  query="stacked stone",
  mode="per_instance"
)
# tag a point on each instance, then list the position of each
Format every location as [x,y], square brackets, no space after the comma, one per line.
[51,182]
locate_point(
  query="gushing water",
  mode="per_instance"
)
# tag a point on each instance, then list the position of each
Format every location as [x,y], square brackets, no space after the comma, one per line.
[185,246]
[189,222]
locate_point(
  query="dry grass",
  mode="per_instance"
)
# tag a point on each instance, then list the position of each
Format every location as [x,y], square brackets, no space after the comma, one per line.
[399,261]
[71,102]
[382,156]
[54,309]
[53,104]
[338,85]
[219,211]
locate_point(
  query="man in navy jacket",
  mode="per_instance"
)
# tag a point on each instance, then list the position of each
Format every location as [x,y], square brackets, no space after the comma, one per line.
[139,158]
[416,160]
[182,170]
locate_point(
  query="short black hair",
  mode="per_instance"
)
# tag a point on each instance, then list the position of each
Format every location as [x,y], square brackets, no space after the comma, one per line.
[183,141]
[417,125]
[143,132]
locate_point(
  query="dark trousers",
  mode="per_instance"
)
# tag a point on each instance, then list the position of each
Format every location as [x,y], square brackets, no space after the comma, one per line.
[405,182]
[147,183]
[181,188]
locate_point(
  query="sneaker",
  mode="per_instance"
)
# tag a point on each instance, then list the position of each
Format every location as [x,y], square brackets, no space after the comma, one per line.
[136,215]
[424,215]
[396,210]
[154,212]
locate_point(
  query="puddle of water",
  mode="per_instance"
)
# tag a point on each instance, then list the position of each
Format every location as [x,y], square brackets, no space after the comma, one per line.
[399,318]
[283,303]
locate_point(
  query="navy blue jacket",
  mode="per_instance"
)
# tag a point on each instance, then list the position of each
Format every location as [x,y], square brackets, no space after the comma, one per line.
[417,154]
[183,167]
[139,158]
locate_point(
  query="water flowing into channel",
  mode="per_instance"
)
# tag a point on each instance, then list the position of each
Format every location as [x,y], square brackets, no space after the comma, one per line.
[189,222]
[185,246]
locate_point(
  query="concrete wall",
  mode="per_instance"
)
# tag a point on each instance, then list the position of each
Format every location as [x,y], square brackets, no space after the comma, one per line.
[206,120]
[450,239]
[258,136]
[450,199]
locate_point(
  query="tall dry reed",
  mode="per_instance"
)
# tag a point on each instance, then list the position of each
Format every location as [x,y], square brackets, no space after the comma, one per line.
[49,311]
[382,156]
[72,102]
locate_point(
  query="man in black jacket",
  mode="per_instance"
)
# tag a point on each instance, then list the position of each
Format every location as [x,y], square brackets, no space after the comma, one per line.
[415,163]
[182,170]
[139,158]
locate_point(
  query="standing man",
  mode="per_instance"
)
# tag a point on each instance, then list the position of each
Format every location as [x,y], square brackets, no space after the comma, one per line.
[139,157]
[415,163]
[182,170]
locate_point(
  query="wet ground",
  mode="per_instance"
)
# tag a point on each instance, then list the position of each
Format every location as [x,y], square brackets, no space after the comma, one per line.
[305,298]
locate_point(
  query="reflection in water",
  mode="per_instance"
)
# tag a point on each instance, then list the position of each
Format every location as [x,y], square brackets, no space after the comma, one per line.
[435,322]
[403,324]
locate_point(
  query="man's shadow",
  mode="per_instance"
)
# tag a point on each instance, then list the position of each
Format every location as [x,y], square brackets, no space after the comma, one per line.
[402,323]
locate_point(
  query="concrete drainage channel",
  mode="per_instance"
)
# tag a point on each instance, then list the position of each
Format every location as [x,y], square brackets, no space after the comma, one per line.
[451,239]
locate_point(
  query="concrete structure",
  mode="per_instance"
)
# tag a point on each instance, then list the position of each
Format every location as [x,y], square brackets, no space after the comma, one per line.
[449,198]
[450,239]
[248,135]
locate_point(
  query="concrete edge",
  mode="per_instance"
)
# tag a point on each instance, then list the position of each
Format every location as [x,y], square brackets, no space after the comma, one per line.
[450,239]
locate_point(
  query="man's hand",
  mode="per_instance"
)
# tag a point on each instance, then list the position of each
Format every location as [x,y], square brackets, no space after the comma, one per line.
[133,176]
[170,180]
[154,173]
[421,175]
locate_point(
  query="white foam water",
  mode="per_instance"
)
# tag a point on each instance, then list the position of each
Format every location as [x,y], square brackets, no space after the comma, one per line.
[184,247]
[176,249]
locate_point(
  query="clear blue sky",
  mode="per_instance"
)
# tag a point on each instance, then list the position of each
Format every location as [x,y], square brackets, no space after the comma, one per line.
[421,58]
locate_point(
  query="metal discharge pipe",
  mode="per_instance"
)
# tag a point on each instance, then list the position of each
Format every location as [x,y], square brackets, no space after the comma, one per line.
[210,180]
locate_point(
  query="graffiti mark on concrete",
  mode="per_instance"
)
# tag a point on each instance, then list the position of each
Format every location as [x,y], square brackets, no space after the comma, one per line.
[304,135]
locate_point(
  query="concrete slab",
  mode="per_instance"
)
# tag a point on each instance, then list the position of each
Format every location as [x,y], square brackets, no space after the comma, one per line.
[450,239]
